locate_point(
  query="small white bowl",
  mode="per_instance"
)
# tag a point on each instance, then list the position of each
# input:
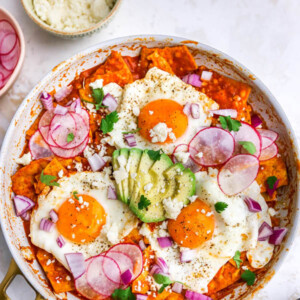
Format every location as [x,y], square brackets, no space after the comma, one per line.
[4,14]
[28,6]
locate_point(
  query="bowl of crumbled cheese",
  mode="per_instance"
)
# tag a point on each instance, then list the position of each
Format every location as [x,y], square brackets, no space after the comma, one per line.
[71,18]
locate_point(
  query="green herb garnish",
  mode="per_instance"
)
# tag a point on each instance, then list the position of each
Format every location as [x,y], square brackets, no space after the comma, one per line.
[70,137]
[220,206]
[162,279]
[120,294]
[155,155]
[144,202]
[271,182]
[237,259]
[248,277]
[132,131]
[249,146]
[98,95]
[230,124]
[75,195]
[107,124]
[48,179]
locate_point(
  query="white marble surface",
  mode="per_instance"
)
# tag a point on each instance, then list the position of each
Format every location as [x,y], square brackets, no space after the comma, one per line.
[263,35]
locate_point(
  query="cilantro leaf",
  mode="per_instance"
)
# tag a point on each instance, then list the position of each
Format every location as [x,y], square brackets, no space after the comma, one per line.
[132,131]
[237,259]
[249,146]
[70,137]
[220,206]
[230,124]
[144,202]
[107,124]
[155,155]
[248,277]
[162,279]
[162,288]
[120,294]
[48,179]
[75,195]
[271,182]
[98,95]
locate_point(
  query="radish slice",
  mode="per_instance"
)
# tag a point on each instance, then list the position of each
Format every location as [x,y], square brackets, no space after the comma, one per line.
[97,279]
[38,147]
[123,260]
[211,146]
[225,112]
[10,60]
[265,142]
[247,133]
[189,163]
[134,252]
[270,134]
[269,152]
[111,270]
[9,41]
[238,173]
[6,26]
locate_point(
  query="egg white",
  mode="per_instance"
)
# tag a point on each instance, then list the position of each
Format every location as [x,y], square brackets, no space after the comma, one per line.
[119,219]
[158,84]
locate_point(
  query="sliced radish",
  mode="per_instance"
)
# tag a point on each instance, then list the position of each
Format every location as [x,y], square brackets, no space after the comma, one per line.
[4,72]
[8,42]
[10,60]
[97,279]
[111,269]
[225,112]
[247,133]
[238,173]
[38,147]
[6,26]
[211,146]
[269,152]
[265,142]
[189,163]
[134,252]
[270,134]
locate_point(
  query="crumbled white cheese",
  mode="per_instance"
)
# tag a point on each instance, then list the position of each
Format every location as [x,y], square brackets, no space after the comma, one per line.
[148,187]
[172,207]
[272,212]
[97,84]
[151,112]
[160,132]
[121,173]
[199,155]
[172,136]
[193,198]
[136,111]
[78,166]
[25,159]
[60,173]
[91,107]
[88,152]
[182,157]
[114,89]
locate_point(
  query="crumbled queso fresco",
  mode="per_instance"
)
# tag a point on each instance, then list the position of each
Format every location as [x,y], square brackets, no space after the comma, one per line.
[72,15]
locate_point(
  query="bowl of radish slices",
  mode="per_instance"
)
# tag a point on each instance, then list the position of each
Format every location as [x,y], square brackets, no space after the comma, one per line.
[12,50]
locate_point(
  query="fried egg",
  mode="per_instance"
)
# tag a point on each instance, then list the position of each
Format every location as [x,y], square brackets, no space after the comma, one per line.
[88,221]
[154,106]
[214,237]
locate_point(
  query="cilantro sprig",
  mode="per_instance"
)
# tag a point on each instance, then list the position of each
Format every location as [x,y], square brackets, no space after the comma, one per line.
[48,179]
[248,146]
[132,131]
[144,203]
[271,182]
[165,281]
[98,95]
[155,155]
[70,137]
[237,259]
[230,124]
[107,124]
[126,294]
[249,277]
[75,195]
[220,206]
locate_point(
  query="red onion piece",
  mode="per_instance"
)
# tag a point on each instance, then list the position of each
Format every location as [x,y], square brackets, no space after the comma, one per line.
[255,120]
[46,225]
[177,287]
[76,263]
[187,109]
[187,255]
[253,205]
[75,106]
[165,242]
[195,110]
[25,216]
[162,265]
[96,162]
[47,100]
[53,216]
[60,241]
[141,297]
[225,112]
[271,191]
[264,232]
[126,277]
[192,79]
[60,110]
[206,75]
[63,93]
[110,101]
[142,245]
[155,270]
[130,139]
[111,193]
[195,296]
[278,235]
[22,204]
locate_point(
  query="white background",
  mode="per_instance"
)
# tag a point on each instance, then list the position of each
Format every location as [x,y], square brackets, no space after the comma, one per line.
[264,35]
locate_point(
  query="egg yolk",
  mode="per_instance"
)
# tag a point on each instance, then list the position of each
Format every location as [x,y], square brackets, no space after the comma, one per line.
[162,111]
[194,225]
[81,220]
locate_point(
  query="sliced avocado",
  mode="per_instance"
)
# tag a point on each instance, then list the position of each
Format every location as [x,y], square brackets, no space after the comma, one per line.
[134,158]
[123,159]
[116,166]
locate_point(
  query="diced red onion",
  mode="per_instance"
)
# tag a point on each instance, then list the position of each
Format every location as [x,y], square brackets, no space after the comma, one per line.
[126,277]
[165,242]
[253,205]
[255,120]
[228,112]
[187,109]
[60,110]
[177,287]
[162,265]
[195,296]
[76,263]
[271,191]
[155,270]
[206,75]
[278,235]
[130,139]
[111,193]
[46,225]
[63,93]
[53,216]
[76,106]
[141,297]
[22,204]
[195,110]
[142,245]
[187,255]
[110,101]
[25,216]
[96,162]
[192,79]
[264,232]
[47,100]
[60,241]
